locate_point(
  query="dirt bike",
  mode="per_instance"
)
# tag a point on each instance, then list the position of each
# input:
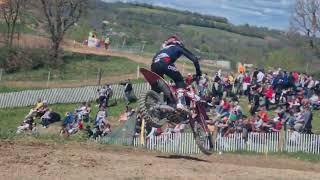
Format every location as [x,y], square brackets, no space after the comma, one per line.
[158,106]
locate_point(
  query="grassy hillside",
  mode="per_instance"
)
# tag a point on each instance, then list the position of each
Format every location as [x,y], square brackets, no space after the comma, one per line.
[209,36]
[79,67]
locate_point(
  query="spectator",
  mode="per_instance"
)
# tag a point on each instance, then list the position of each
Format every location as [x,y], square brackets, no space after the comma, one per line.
[239,83]
[69,119]
[106,129]
[101,117]
[246,83]
[315,101]
[46,118]
[86,113]
[26,125]
[107,42]
[83,112]
[44,108]
[217,89]
[102,96]
[128,92]
[189,79]
[268,96]
[260,77]
[224,108]
[203,84]
[256,103]
[307,117]
[38,106]
[255,75]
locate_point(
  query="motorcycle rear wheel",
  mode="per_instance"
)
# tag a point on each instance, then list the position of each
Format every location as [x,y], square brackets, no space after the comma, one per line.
[203,139]
[146,102]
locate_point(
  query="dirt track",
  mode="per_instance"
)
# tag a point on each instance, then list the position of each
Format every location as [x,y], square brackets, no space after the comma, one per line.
[69,46]
[37,160]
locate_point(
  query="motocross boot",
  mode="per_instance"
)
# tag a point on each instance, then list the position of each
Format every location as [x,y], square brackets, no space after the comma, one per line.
[181,105]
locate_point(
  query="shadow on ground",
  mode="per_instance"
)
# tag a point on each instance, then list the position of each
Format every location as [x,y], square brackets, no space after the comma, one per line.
[183,157]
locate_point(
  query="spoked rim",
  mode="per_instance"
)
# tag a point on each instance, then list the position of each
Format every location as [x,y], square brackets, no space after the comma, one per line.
[147,101]
[151,101]
[202,138]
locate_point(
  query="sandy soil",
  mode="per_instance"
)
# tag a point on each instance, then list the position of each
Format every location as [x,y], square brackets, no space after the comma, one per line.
[32,159]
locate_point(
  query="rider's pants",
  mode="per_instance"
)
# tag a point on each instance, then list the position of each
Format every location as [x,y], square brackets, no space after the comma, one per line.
[170,70]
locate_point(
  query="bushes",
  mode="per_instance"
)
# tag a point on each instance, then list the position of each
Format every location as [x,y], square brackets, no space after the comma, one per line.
[15,59]
[287,58]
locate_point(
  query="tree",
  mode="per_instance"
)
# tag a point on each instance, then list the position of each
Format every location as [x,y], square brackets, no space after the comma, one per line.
[60,15]
[10,12]
[306,18]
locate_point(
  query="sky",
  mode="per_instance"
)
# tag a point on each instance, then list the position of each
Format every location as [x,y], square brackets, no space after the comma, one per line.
[268,13]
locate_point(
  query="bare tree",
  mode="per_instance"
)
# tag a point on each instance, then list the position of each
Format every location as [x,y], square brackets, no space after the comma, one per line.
[306,18]
[10,12]
[60,15]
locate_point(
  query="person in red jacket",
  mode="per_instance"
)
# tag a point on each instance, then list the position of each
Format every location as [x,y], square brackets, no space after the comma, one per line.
[295,76]
[189,79]
[246,83]
[268,96]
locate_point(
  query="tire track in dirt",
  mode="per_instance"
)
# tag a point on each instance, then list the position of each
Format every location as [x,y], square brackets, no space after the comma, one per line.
[32,159]
[109,52]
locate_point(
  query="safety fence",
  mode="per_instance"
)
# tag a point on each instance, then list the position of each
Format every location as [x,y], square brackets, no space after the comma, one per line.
[63,95]
[184,143]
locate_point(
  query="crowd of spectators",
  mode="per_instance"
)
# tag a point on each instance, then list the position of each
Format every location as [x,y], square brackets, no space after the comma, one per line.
[40,111]
[276,100]
[76,120]
[81,119]
[99,125]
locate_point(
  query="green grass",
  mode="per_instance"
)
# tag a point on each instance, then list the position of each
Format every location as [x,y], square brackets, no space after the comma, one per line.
[144,10]
[221,34]
[316,122]
[79,32]
[5,89]
[79,67]
[19,28]
[12,117]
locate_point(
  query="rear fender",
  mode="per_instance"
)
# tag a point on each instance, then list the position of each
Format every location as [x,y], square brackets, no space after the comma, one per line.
[158,84]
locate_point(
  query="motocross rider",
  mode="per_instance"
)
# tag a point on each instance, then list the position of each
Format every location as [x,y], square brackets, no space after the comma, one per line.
[164,63]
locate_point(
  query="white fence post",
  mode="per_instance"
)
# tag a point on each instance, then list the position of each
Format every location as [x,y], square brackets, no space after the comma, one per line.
[48,80]
[183,143]
[138,72]
[183,68]
[1,72]
[143,45]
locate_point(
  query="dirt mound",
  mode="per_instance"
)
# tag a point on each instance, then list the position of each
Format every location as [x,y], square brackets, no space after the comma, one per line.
[38,160]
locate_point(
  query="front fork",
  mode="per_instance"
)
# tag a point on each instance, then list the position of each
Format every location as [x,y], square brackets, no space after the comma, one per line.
[196,116]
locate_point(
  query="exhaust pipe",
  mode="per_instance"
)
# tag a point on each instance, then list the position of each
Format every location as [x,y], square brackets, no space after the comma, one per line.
[164,108]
